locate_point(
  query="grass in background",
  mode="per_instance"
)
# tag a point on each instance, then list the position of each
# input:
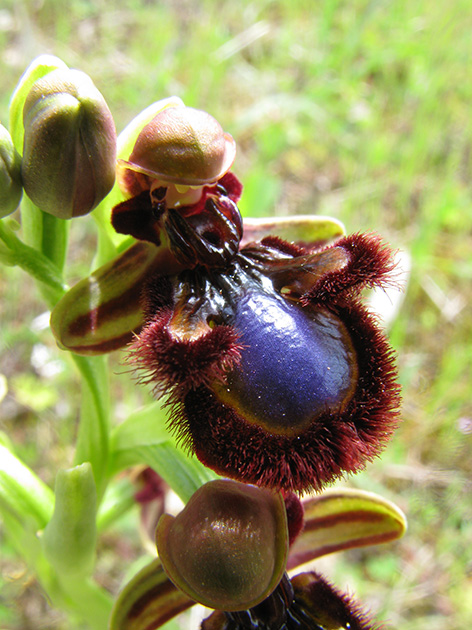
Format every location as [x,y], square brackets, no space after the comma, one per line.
[356,109]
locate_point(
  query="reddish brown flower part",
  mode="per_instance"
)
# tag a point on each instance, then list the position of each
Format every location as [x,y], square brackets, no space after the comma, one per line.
[306,602]
[277,374]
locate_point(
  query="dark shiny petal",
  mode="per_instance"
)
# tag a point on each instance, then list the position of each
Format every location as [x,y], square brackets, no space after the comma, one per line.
[337,442]
[312,364]
[137,217]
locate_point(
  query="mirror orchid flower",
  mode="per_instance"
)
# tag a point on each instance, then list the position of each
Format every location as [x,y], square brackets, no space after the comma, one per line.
[274,371]
[230,549]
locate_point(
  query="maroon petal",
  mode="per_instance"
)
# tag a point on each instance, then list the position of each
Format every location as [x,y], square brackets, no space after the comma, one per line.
[137,217]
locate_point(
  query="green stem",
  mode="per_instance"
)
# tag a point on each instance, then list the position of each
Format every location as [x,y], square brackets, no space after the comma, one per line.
[88,601]
[55,239]
[44,232]
[94,428]
[44,259]
[40,267]
[83,598]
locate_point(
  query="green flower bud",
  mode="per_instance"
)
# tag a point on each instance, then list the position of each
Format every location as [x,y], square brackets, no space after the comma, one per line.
[69,149]
[10,175]
[227,549]
[38,68]
[70,536]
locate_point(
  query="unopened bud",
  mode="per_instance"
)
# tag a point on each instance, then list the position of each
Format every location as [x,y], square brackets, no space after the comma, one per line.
[10,175]
[228,548]
[70,536]
[69,148]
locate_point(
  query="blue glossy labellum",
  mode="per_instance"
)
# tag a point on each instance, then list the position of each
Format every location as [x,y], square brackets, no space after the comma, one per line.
[297,364]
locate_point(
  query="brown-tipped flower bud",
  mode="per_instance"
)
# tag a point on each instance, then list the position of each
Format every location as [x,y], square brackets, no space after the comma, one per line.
[182,146]
[69,148]
[228,548]
[10,175]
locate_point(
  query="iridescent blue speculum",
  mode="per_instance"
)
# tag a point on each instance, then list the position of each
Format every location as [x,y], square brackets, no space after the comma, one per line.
[297,364]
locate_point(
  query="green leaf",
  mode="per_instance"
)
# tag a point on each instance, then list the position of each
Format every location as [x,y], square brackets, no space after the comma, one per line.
[148,601]
[345,519]
[184,474]
[144,427]
[307,230]
[86,601]
[34,263]
[117,500]
[143,439]
[22,493]
[70,536]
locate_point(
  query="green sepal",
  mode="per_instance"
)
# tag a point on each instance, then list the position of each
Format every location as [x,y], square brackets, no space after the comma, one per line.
[39,67]
[345,519]
[148,601]
[69,538]
[306,230]
[128,136]
[100,313]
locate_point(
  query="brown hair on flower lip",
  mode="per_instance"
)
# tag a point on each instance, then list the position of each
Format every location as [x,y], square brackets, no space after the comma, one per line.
[215,355]
[316,598]
[334,445]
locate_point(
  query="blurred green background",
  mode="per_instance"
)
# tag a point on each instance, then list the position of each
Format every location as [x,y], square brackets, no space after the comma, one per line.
[351,108]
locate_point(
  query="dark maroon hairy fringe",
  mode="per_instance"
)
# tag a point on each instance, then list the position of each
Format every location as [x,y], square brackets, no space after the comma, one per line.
[371,264]
[175,366]
[319,595]
[295,516]
[291,249]
[336,443]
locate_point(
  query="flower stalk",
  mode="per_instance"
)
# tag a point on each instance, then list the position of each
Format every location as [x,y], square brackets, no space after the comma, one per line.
[275,375]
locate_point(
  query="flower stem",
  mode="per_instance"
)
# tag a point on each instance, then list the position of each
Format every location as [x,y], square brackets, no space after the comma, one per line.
[94,427]
[35,263]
